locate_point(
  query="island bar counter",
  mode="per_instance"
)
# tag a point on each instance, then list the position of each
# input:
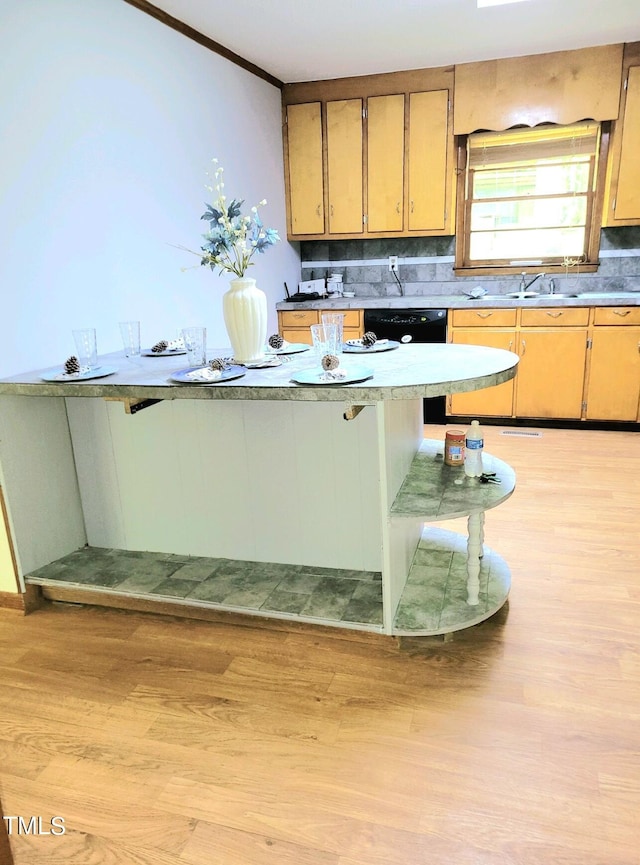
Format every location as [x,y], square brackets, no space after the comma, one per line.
[257,476]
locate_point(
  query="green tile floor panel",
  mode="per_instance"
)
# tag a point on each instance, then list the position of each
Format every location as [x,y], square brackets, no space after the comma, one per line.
[434,600]
[332,595]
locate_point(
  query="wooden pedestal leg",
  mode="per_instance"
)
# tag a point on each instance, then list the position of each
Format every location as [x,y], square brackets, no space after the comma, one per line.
[475,525]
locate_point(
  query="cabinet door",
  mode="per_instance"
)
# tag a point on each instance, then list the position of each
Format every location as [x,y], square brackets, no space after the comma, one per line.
[427,156]
[613,392]
[550,376]
[385,163]
[304,138]
[301,334]
[491,401]
[344,165]
[627,195]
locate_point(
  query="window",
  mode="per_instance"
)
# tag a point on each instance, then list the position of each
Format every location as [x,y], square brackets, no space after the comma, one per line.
[530,197]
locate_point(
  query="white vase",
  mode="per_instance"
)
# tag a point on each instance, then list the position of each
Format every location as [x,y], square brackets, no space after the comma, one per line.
[244,307]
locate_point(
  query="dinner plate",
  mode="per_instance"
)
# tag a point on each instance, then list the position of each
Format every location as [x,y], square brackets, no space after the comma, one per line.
[269,361]
[316,376]
[292,348]
[168,352]
[355,346]
[181,376]
[61,375]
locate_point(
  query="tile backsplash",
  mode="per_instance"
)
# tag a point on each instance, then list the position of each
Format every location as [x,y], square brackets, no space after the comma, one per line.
[426,266]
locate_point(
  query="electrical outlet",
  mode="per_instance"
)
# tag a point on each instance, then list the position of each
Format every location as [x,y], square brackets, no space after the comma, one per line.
[393,263]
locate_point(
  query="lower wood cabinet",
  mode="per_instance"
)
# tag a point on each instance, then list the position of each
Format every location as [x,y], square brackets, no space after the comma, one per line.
[613,388]
[613,380]
[576,363]
[492,401]
[550,377]
[294,324]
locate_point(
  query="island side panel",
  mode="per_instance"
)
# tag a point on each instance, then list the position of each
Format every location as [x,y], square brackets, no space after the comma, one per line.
[401,432]
[164,479]
[262,481]
[38,475]
[321,496]
[96,470]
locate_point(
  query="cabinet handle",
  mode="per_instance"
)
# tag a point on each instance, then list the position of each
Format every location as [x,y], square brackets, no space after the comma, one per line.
[484,314]
[554,314]
[524,348]
[318,209]
[412,207]
[331,206]
[398,207]
[621,312]
[510,345]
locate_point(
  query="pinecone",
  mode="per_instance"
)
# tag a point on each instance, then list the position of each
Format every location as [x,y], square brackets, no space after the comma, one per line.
[330,361]
[72,365]
[218,363]
[159,347]
[369,339]
[276,341]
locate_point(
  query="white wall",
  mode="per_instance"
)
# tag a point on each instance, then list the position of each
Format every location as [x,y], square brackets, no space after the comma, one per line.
[108,124]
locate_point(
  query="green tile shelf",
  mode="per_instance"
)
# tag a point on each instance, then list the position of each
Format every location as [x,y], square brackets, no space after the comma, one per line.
[434,600]
[435,491]
[328,596]
[454,581]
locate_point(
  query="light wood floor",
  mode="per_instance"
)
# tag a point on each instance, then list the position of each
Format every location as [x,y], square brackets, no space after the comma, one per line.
[164,741]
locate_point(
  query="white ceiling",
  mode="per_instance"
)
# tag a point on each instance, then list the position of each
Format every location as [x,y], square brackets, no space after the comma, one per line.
[305,40]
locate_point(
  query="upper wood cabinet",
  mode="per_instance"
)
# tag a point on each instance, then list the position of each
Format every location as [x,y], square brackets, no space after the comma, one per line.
[344,166]
[304,163]
[387,156]
[427,160]
[385,163]
[622,203]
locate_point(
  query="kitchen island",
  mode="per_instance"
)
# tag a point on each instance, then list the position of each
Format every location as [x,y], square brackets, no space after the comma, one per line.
[256,495]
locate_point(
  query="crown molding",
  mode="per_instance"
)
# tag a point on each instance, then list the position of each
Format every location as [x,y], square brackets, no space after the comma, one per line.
[205,41]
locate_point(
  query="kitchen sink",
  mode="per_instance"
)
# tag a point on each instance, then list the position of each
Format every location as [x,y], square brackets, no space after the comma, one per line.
[559,295]
[611,295]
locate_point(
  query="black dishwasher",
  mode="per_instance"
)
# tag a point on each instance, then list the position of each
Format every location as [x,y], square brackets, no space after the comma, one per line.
[412,325]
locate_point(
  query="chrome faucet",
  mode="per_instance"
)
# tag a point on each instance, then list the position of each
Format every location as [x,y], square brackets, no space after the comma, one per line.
[524,285]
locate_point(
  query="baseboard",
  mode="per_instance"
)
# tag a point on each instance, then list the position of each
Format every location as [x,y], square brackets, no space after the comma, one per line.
[25,602]
[78,595]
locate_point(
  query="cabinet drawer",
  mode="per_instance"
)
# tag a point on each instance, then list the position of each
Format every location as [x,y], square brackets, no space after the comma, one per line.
[352,317]
[299,317]
[617,315]
[486,317]
[567,317]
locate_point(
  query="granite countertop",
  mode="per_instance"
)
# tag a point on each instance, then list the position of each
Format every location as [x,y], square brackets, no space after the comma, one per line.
[460,301]
[407,372]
